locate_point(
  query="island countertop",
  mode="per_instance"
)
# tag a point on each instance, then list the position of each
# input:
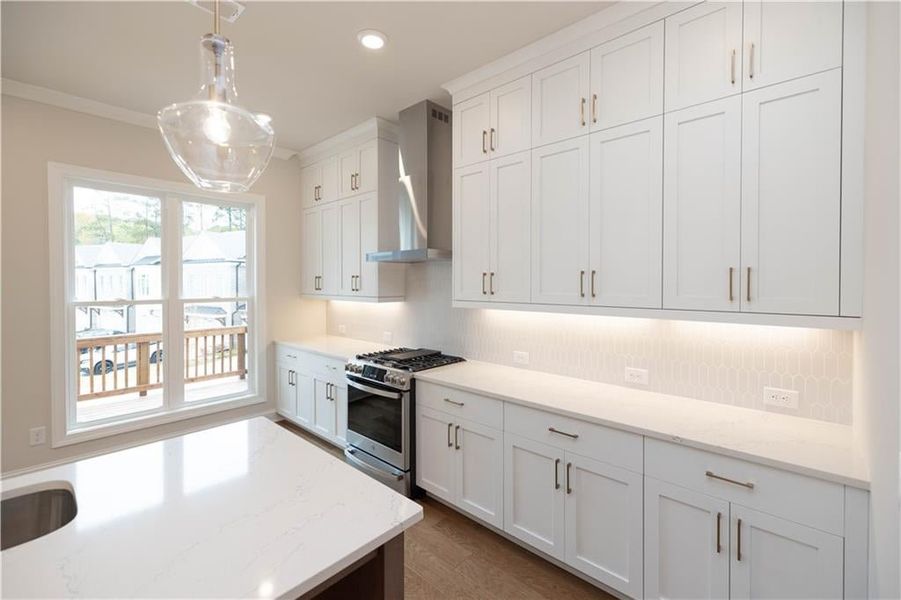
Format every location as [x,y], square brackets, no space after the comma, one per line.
[241,510]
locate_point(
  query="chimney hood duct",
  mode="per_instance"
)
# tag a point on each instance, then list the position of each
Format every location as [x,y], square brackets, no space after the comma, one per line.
[424,202]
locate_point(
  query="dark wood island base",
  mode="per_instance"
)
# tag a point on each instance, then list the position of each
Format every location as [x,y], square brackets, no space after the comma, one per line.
[377,576]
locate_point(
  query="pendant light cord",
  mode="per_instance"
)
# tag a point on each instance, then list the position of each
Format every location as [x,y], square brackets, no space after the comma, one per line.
[216,17]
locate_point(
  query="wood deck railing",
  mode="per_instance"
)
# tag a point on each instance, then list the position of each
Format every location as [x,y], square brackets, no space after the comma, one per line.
[118,364]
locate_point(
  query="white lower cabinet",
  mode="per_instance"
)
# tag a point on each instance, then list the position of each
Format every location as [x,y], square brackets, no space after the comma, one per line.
[461,462]
[312,393]
[286,402]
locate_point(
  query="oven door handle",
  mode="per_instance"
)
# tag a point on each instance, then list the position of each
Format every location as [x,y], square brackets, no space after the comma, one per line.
[350,454]
[373,390]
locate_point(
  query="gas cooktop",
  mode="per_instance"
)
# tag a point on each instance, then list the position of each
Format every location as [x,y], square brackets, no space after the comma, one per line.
[409,359]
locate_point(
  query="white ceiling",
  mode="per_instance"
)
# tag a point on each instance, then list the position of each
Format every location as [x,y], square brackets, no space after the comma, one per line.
[299,62]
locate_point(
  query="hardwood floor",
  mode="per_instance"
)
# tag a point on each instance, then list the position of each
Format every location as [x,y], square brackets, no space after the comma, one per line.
[449,556]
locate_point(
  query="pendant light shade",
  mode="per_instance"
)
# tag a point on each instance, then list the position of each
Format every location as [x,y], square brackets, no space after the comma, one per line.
[216,143]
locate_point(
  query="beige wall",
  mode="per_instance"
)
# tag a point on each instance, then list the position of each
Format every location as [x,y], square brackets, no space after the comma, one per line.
[34,134]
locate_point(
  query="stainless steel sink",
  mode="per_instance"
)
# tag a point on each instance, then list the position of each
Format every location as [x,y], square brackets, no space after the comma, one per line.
[31,515]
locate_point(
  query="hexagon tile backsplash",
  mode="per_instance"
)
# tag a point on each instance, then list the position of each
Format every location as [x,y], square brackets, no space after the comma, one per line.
[718,362]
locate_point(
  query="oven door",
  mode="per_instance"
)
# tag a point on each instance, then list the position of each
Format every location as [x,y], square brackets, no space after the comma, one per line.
[378,421]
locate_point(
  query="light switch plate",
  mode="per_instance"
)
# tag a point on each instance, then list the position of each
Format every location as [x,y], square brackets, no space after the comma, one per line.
[387,337]
[37,436]
[342,329]
[635,376]
[780,398]
[520,358]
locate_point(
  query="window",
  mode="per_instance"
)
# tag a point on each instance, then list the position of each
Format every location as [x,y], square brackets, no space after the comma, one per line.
[156,297]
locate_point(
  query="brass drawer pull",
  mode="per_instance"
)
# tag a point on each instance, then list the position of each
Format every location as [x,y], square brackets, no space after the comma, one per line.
[449,442]
[594,108]
[454,402]
[556,473]
[491,139]
[713,475]
[719,519]
[569,489]
[574,436]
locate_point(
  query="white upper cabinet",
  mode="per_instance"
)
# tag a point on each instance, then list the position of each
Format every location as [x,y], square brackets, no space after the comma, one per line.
[358,169]
[329,282]
[472,232]
[509,277]
[560,223]
[775,558]
[328,184]
[627,78]
[626,204]
[312,251]
[703,53]
[471,122]
[510,130]
[784,40]
[791,169]
[349,213]
[702,206]
[310,180]
[560,100]
[368,275]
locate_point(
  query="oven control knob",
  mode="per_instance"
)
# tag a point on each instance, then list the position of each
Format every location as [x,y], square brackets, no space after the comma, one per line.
[389,378]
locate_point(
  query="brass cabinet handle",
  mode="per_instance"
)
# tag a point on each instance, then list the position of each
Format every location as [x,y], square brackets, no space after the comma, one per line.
[582,112]
[449,442]
[454,402]
[358,181]
[491,140]
[569,490]
[484,135]
[594,108]
[731,297]
[456,437]
[491,283]
[593,275]
[751,62]
[556,473]
[746,484]
[748,286]
[719,518]
[738,543]
[484,275]
[582,284]
[574,436]
[732,68]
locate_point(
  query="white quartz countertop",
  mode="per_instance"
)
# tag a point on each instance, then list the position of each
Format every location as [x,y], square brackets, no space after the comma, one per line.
[334,346]
[809,447]
[245,510]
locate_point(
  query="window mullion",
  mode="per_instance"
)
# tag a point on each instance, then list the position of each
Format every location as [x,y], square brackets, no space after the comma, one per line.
[173,306]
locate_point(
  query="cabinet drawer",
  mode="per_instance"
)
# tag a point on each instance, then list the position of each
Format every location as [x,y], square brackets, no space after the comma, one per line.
[798,498]
[587,439]
[479,409]
[286,354]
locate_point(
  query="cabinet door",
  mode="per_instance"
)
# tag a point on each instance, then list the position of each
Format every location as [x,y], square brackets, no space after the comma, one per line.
[339,397]
[471,232]
[305,387]
[324,412]
[368,280]
[331,250]
[560,223]
[627,78]
[686,543]
[435,453]
[784,40]
[287,395]
[349,212]
[703,54]
[560,100]
[702,206]
[791,167]
[781,559]
[626,213]
[511,118]
[604,523]
[348,165]
[510,271]
[312,251]
[479,471]
[310,179]
[368,167]
[534,494]
[329,180]
[470,125]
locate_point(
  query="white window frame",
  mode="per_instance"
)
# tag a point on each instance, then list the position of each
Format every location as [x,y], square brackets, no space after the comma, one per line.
[64,429]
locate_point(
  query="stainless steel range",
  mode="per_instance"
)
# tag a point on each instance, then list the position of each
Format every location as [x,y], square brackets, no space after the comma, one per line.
[380,411]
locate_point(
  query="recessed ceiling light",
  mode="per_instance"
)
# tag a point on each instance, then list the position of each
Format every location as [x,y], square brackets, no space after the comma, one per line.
[372,39]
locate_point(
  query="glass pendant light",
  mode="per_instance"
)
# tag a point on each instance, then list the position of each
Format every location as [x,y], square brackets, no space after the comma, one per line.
[216,143]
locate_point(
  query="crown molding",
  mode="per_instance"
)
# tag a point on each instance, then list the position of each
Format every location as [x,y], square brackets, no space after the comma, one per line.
[26,91]
[375,127]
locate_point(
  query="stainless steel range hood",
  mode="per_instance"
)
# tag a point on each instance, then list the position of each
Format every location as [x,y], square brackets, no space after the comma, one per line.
[424,205]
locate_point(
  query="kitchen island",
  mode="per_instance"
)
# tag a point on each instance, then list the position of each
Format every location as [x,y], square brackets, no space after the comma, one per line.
[244,510]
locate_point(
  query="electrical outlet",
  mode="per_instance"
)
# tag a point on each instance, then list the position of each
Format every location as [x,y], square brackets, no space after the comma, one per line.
[342,329]
[520,358]
[780,398]
[37,436]
[635,376]
[387,337]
